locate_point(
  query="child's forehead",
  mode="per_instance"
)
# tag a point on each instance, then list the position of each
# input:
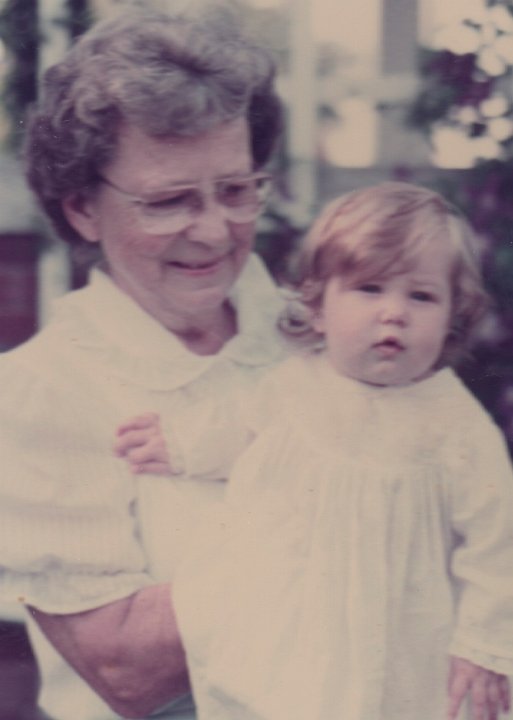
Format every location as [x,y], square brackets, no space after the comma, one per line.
[421,259]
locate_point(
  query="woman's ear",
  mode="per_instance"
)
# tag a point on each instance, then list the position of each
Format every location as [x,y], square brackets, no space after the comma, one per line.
[82,215]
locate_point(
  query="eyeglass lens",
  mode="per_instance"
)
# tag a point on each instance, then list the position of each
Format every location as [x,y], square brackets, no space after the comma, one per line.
[241,200]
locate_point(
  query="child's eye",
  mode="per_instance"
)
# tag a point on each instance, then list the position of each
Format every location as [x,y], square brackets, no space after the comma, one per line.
[423,296]
[372,288]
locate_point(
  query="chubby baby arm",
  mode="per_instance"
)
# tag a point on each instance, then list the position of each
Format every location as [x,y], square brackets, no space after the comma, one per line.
[141,442]
[481,648]
[201,441]
[489,691]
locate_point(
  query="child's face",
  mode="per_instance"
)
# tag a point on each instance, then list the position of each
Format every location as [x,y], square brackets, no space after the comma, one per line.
[389,331]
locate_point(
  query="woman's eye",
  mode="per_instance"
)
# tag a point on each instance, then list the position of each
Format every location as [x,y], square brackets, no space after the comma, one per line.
[235,188]
[237,192]
[372,288]
[422,296]
[172,202]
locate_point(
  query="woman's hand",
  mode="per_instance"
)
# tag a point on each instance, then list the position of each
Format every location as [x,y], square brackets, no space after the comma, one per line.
[488,691]
[141,443]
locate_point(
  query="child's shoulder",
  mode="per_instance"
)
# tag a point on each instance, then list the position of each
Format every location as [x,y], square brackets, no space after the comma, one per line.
[453,390]
[461,409]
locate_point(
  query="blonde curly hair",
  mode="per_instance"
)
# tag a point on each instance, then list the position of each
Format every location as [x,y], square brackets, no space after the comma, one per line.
[376,232]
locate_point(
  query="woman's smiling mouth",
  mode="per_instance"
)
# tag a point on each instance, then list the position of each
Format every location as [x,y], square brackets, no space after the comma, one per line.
[194,267]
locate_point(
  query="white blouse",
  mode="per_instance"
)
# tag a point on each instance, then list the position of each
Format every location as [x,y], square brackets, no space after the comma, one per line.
[77,530]
[368,534]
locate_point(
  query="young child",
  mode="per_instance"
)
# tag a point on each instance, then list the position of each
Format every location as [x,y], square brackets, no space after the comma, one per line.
[362,565]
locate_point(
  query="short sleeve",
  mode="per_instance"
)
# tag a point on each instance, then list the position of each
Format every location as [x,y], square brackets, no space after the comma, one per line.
[482,563]
[68,535]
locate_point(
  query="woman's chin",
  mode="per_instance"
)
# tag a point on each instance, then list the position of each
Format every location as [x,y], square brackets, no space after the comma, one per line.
[204,302]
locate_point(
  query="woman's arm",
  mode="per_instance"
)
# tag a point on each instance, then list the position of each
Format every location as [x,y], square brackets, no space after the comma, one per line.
[128,651]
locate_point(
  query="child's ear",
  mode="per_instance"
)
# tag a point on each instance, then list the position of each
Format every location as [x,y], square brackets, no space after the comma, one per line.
[318,321]
[82,215]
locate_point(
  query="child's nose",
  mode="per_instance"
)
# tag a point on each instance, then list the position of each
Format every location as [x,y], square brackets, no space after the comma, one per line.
[394,311]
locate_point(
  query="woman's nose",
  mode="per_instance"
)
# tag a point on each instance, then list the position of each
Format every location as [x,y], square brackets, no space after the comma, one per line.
[209,225]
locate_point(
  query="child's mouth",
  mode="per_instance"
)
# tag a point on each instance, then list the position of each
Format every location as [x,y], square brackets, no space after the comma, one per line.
[389,347]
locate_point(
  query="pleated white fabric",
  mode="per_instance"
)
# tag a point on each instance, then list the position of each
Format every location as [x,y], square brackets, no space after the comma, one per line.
[367,534]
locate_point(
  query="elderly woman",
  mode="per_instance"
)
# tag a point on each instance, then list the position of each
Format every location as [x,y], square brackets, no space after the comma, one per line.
[148,145]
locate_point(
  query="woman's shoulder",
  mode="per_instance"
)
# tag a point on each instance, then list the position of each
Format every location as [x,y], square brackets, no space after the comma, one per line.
[29,361]
[56,366]
[38,394]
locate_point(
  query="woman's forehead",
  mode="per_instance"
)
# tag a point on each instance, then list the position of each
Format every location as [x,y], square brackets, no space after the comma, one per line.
[223,150]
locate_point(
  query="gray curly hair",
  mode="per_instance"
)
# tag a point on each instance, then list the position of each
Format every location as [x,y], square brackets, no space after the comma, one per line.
[167,75]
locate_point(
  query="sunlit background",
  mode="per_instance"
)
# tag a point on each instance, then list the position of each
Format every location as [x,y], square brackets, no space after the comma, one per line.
[350,37]
[348,41]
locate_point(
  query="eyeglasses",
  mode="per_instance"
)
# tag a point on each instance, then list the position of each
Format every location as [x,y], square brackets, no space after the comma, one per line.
[241,199]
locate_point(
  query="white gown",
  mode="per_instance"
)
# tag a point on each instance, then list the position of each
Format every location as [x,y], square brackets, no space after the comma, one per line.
[368,533]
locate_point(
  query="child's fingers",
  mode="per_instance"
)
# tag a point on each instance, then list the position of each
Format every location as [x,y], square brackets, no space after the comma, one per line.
[458,687]
[493,703]
[131,439]
[488,691]
[479,696]
[498,692]
[153,458]
[504,693]
[152,450]
[126,442]
[139,422]
[153,467]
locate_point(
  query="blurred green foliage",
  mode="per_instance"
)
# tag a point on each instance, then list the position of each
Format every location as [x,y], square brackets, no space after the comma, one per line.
[454,92]
[19,33]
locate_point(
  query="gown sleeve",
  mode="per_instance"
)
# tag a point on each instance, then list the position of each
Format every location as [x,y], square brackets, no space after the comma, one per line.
[68,533]
[482,561]
[208,448]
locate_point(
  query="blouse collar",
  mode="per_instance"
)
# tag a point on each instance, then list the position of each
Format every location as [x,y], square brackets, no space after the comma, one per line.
[434,385]
[108,320]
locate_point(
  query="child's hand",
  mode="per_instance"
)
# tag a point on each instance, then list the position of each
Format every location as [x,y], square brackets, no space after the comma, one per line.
[489,691]
[141,443]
